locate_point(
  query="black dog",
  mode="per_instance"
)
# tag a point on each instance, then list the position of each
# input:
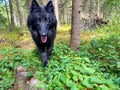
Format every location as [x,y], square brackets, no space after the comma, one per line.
[42,24]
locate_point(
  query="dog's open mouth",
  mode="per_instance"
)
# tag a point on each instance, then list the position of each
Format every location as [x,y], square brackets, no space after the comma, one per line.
[44,39]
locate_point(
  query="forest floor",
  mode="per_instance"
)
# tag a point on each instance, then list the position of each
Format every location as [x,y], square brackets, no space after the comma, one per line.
[23,39]
[96,66]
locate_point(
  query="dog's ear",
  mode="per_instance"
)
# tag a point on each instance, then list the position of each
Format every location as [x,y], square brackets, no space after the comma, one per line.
[49,7]
[34,6]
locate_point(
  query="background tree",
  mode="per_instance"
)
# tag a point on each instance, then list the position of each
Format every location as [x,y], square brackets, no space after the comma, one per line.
[65,11]
[12,26]
[98,8]
[27,4]
[104,9]
[57,12]
[7,12]
[43,2]
[75,33]
[18,2]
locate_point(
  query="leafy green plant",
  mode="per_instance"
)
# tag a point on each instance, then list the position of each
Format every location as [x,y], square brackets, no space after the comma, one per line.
[105,50]
[66,70]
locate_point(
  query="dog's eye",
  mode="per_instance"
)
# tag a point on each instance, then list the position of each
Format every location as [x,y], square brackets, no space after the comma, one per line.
[39,19]
[45,18]
[50,27]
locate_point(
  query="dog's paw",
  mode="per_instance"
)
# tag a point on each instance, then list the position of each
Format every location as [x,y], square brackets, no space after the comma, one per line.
[44,64]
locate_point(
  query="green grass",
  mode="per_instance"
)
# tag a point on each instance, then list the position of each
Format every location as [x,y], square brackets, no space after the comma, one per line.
[96,66]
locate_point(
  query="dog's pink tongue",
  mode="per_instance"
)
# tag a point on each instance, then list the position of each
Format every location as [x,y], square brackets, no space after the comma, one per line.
[44,39]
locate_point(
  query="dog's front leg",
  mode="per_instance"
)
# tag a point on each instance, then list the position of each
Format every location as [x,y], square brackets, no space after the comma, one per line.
[49,49]
[44,57]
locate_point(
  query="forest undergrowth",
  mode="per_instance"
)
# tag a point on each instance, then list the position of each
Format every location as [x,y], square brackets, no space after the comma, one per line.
[95,66]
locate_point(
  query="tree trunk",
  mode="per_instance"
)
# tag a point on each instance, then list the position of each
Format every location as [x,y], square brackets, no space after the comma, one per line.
[56,12]
[91,14]
[75,32]
[12,16]
[67,13]
[7,13]
[19,13]
[27,4]
[44,2]
[98,8]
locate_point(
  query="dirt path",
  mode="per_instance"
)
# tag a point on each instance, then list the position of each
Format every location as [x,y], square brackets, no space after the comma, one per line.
[27,44]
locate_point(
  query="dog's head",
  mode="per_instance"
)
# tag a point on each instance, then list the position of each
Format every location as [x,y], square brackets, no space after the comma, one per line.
[41,20]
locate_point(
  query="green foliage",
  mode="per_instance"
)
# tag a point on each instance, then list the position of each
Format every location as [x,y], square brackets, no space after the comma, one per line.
[106,50]
[29,74]
[66,70]
[95,67]
[3,16]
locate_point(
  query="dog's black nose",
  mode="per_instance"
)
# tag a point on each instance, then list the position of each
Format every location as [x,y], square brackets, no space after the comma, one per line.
[44,34]
[44,64]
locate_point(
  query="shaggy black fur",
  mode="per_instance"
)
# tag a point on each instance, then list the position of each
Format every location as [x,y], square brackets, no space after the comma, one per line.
[42,24]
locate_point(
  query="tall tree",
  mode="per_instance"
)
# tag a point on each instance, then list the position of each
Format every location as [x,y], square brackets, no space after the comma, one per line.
[19,12]
[98,8]
[7,13]
[27,4]
[75,32]
[57,12]
[12,26]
